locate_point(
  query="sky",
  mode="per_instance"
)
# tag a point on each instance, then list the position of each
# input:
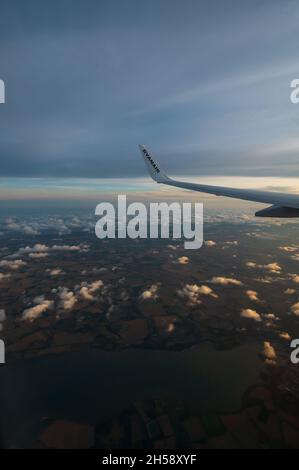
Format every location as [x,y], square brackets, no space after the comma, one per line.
[205,86]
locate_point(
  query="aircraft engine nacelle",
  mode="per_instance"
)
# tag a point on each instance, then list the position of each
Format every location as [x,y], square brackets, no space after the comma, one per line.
[278,211]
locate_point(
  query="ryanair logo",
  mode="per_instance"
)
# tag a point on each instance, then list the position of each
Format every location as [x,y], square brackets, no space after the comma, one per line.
[151,161]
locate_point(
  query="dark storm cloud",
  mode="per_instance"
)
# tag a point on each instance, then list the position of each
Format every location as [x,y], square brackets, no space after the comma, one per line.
[205,86]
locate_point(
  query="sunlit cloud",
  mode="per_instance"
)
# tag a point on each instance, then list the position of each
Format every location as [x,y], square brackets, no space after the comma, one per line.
[32,313]
[252,314]
[252,295]
[150,293]
[226,281]
[269,353]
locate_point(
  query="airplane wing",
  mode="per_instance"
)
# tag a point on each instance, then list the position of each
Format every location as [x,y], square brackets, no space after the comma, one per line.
[282,204]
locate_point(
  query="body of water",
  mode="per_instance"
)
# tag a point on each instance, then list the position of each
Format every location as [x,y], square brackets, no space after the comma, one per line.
[94,386]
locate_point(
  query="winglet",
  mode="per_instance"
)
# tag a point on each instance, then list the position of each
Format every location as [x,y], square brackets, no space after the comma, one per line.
[153,168]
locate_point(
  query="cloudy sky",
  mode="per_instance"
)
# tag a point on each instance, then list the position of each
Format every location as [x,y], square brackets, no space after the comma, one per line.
[206,86]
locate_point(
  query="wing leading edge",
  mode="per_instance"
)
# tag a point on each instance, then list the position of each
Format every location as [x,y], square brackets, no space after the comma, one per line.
[283,204]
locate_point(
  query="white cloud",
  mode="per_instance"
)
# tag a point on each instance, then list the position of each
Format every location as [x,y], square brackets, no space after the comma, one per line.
[96,285]
[55,271]
[38,255]
[288,249]
[271,267]
[295,309]
[210,243]
[85,293]
[183,260]
[172,247]
[16,264]
[67,298]
[206,290]
[41,248]
[225,281]
[37,248]
[285,335]
[192,292]
[252,295]
[28,230]
[250,264]
[229,244]
[269,352]
[124,296]
[289,291]
[271,316]
[13,226]
[38,299]
[87,290]
[264,280]
[150,293]
[82,248]
[249,313]
[31,314]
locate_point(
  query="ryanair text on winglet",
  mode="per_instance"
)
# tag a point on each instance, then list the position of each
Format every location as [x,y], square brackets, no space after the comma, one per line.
[2,92]
[151,161]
